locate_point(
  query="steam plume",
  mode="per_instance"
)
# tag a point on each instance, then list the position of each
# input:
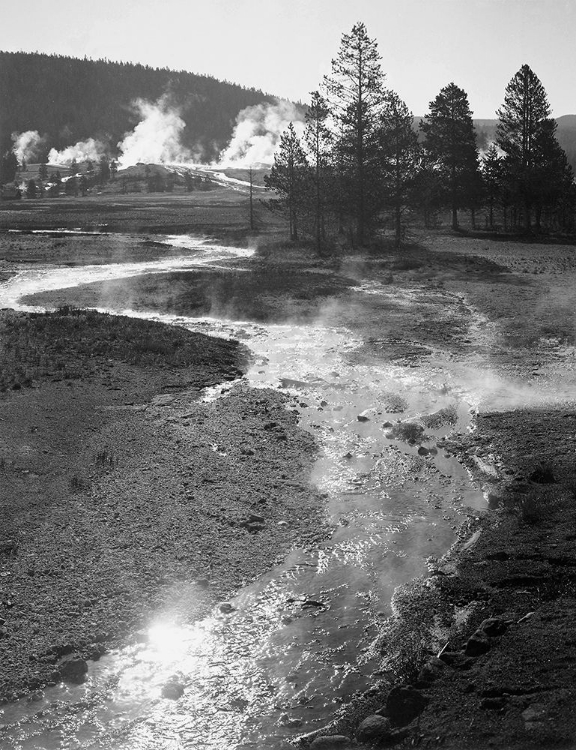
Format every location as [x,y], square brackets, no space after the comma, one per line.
[257,133]
[156,138]
[89,149]
[26,145]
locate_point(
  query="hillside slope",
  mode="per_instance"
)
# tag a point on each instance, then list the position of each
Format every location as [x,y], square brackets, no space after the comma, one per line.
[69,100]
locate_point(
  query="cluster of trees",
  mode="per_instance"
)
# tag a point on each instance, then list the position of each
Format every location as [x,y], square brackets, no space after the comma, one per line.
[69,100]
[360,159]
[78,180]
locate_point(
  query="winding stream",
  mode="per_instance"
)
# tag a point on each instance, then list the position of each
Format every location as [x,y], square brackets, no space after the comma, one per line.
[297,642]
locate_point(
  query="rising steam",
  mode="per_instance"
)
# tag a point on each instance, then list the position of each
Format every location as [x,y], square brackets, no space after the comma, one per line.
[26,145]
[88,150]
[157,137]
[257,133]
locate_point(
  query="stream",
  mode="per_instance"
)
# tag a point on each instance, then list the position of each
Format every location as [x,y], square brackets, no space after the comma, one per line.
[297,643]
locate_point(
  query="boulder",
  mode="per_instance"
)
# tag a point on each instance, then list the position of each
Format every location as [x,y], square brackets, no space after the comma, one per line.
[405,703]
[374,729]
[493,627]
[457,659]
[332,742]
[73,669]
[431,670]
[477,644]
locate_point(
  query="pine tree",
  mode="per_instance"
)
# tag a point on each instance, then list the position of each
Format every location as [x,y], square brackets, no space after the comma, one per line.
[290,178]
[533,159]
[8,167]
[400,157]
[31,190]
[318,141]
[450,144]
[492,174]
[355,94]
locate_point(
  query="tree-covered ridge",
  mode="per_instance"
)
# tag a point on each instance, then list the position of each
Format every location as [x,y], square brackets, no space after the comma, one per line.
[69,100]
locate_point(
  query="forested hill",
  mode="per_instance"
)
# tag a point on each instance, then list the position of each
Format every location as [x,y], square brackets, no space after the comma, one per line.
[69,100]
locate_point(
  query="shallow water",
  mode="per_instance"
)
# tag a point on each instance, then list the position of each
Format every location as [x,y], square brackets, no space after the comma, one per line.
[297,641]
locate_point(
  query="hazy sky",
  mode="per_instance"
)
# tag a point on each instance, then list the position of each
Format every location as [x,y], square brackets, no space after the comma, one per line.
[285,46]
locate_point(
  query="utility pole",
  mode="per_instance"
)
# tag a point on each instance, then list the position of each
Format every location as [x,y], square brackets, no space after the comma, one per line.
[251,201]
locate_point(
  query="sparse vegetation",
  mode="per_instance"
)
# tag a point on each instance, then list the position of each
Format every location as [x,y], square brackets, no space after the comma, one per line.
[408,432]
[446,416]
[71,344]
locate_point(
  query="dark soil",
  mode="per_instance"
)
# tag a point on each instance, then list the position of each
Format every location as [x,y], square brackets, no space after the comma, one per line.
[269,294]
[121,494]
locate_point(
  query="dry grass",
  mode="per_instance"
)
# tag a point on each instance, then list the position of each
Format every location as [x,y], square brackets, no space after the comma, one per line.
[70,344]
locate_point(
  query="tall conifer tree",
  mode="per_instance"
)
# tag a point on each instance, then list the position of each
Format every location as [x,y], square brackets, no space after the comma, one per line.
[290,178]
[399,153]
[355,94]
[318,140]
[534,162]
[450,144]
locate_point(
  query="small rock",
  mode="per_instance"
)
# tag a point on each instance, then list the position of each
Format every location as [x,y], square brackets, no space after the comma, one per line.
[543,475]
[477,644]
[493,626]
[363,417]
[173,690]
[534,712]
[286,721]
[253,527]
[73,669]
[432,670]
[422,451]
[254,518]
[163,400]
[493,704]
[374,729]
[457,659]
[226,608]
[332,742]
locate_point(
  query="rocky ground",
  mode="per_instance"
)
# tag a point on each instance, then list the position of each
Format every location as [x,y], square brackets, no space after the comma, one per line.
[487,642]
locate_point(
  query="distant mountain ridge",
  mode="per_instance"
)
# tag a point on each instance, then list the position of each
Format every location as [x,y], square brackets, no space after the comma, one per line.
[565,133]
[69,100]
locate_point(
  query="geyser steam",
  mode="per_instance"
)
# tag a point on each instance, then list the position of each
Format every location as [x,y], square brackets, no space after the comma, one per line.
[157,137]
[88,150]
[257,133]
[26,145]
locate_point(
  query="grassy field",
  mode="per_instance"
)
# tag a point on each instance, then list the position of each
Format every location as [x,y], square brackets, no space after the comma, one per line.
[222,213]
